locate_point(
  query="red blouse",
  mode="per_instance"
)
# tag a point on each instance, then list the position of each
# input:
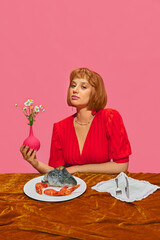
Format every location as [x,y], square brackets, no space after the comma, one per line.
[107,139]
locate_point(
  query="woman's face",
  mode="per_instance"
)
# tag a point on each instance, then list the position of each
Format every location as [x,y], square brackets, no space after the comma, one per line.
[79,92]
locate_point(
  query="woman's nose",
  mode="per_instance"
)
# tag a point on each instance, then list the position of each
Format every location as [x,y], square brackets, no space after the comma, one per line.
[75,89]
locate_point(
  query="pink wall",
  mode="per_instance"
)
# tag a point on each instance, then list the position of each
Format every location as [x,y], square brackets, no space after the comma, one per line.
[41,42]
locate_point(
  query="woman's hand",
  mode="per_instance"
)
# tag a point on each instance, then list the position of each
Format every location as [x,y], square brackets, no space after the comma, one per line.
[72,169]
[29,156]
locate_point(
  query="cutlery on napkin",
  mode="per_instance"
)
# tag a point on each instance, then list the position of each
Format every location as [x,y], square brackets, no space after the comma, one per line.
[127,187]
[130,189]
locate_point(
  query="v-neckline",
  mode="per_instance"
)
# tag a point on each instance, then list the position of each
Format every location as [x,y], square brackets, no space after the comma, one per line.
[81,153]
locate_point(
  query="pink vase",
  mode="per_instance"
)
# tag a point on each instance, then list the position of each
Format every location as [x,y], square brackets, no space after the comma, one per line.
[32,141]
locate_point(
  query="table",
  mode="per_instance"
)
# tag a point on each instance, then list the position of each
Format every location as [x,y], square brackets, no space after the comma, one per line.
[92,216]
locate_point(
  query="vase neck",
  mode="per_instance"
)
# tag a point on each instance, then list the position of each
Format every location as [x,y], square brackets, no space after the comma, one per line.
[31,131]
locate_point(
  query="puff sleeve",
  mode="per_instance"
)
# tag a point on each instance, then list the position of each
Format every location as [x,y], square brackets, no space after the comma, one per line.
[56,156]
[119,145]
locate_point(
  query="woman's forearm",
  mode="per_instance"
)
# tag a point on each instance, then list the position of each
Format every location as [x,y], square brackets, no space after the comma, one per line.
[108,167]
[41,167]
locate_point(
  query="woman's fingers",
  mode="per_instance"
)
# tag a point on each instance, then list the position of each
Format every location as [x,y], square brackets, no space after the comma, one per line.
[34,154]
[22,147]
[29,153]
[24,150]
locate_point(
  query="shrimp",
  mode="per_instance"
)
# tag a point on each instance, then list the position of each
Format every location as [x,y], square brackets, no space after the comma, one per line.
[39,186]
[64,191]
[70,190]
[52,192]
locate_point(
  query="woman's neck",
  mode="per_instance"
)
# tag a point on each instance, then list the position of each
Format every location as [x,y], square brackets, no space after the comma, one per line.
[84,115]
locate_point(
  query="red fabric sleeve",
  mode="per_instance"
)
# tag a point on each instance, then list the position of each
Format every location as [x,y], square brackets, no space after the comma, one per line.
[56,157]
[122,160]
[119,146]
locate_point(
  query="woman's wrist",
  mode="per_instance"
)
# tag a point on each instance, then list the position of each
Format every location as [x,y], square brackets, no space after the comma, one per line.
[41,167]
[35,163]
[73,169]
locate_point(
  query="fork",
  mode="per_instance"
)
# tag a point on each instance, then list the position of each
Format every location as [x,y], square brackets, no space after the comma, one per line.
[118,190]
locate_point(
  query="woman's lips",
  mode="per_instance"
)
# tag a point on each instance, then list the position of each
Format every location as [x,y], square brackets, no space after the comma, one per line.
[75,97]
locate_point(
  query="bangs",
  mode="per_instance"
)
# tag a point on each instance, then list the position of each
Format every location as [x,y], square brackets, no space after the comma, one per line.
[79,75]
[83,73]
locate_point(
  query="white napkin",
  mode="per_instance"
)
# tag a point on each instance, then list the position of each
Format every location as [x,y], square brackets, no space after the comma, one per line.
[138,189]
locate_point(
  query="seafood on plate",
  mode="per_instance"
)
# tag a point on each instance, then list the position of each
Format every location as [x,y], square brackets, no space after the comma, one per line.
[39,186]
[52,192]
[64,191]
[59,177]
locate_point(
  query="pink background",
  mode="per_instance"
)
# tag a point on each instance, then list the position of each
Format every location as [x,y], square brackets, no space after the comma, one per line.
[41,42]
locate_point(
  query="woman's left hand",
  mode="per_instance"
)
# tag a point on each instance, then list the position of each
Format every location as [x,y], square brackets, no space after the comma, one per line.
[72,169]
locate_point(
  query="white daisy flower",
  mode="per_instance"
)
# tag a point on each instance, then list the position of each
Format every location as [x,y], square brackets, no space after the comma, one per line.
[28,103]
[36,108]
[30,111]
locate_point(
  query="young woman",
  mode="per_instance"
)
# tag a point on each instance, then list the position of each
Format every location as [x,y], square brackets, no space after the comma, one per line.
[92,140]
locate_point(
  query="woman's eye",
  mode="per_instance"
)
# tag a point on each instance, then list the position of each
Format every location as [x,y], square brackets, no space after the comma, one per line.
[72,85]
[83,87]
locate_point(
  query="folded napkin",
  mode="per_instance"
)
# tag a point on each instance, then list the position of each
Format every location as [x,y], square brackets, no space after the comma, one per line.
[136,190]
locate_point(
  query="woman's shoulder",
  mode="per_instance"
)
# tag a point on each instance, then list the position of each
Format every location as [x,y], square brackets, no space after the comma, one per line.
[110,115]
[65,121]
[108,112]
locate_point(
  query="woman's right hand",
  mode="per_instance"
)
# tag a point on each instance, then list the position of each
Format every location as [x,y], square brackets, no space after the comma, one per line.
[29,156]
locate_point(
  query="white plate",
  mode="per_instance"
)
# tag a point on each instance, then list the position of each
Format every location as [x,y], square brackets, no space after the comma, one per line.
[30,191]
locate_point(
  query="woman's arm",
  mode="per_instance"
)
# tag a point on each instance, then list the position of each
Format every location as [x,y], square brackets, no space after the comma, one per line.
[30,157]
[108,167]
